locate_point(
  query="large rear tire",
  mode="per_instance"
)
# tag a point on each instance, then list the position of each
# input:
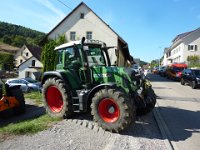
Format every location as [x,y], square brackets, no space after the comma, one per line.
[56,98]
[17,93]
[112,110]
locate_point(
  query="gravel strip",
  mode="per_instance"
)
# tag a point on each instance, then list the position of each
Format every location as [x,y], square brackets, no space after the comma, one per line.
[82,133]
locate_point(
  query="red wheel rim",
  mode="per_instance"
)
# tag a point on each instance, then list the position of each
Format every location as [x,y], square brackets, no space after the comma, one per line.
[54,99]
[108,110]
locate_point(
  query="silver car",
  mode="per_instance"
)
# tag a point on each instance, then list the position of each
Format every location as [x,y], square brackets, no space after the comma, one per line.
[26,84]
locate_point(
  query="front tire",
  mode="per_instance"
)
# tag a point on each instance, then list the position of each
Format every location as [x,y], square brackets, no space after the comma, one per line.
[56,98]
[146,102]
[112,110]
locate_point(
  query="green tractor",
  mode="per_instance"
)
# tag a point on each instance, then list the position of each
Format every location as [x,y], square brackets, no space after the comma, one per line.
[85,80]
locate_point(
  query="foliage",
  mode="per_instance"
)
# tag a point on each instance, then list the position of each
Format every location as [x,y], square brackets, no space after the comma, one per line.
[193,60]
[17,35]
[49,56]
[7,61]
[154,63]
[142,63]
[29,126]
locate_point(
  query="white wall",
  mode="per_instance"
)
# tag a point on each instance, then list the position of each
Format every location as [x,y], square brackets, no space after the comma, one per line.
[180,48]
[21,55]
[25,68]
[92,23]
[193,39]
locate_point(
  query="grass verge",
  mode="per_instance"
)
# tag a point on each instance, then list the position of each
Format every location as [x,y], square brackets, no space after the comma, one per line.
[30,126]
[36,96]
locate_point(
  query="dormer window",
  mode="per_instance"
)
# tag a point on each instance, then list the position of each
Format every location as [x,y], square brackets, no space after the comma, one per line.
[27,54]
[82,15]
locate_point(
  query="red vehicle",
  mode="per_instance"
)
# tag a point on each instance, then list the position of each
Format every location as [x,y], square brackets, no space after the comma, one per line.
[174,71]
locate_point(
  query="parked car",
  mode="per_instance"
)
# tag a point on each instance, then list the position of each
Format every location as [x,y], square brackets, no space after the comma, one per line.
[174,71]
[155,70]
[191,76]
[26,84]
[162,71]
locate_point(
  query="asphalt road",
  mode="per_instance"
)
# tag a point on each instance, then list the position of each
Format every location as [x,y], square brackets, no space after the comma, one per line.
[179,107]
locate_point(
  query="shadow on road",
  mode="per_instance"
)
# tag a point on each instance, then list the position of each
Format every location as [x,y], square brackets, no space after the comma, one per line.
[157,78]
[32,111]
[181,123]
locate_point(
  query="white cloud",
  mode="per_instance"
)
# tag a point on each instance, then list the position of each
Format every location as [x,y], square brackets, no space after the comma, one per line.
[36,20]
[51,7]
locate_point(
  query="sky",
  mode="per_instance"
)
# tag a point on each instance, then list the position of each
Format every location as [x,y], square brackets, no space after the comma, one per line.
[148,26]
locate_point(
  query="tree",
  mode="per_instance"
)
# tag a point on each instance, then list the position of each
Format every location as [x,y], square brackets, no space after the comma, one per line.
[49,56]
[7,39]
[7,62]
[193,60]
[154,63]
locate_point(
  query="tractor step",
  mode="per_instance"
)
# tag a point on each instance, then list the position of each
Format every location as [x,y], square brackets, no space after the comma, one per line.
[76,104]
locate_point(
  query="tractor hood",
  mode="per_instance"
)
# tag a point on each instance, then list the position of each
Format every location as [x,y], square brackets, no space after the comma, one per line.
[111,74]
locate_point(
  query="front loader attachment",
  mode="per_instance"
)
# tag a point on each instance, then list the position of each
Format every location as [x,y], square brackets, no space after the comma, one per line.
[146,100]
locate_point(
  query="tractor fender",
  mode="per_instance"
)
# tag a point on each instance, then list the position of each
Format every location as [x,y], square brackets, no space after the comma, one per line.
[99,87]
[53,74]
[50,74]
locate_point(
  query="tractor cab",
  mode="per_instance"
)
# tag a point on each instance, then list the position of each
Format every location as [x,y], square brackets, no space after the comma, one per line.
[81,58]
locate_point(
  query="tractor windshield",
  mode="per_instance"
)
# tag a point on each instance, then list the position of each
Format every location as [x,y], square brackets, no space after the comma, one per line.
[95,56]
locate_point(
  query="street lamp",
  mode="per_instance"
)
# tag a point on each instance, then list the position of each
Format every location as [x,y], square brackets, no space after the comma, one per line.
[160,49]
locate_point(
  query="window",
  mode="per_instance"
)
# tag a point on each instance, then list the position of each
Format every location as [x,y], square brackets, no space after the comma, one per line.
[27,54]
[82,16]
[33,63]
[27,74]
[89,35]
[72,36]
[21,61]
[192,47]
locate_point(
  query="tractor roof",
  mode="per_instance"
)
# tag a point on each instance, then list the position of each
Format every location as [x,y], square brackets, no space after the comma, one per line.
[87,42]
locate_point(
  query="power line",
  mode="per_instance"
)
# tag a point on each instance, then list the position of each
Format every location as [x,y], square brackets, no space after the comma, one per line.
[87,19]
[64,4]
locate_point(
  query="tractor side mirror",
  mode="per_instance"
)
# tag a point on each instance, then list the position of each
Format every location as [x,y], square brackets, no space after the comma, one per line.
[82,40]
[76,51]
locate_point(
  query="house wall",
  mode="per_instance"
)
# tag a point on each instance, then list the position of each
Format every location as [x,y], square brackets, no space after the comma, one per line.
[24,68]
[100,31]
[193,39]
[179,49]
[21,55]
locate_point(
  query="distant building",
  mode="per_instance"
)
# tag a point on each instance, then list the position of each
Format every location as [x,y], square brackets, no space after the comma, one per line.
[28,62]
[183,45]
[84,22]
[137,61]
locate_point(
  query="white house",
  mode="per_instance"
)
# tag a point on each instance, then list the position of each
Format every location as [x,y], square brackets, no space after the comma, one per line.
[83,22]
[28,62]
[183,45]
